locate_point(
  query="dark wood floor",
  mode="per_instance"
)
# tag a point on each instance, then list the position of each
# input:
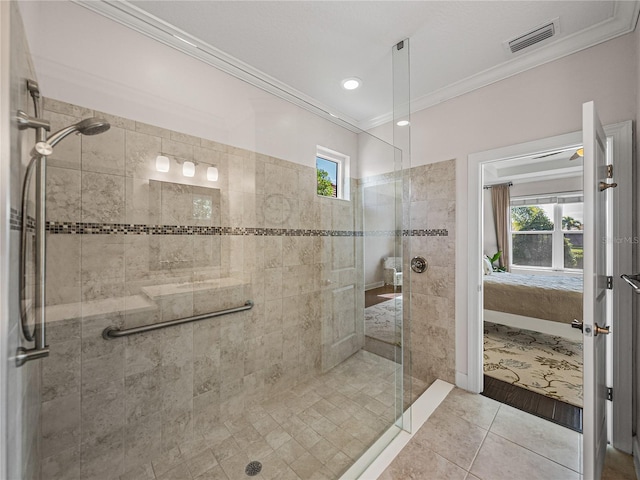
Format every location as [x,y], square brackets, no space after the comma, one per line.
[380,294]
[534,403]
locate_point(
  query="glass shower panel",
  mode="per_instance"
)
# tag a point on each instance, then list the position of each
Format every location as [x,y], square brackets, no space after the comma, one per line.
[402,142]
[150,226]
[21,392]
[145,246]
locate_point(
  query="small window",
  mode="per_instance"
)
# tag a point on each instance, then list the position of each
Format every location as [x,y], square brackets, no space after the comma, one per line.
[332,169]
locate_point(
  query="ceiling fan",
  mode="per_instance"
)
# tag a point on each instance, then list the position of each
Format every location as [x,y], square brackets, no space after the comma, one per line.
[579,154]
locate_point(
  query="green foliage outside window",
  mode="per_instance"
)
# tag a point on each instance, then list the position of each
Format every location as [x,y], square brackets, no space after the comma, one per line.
[536,249]
[528,219]
[570,223]
[324,184]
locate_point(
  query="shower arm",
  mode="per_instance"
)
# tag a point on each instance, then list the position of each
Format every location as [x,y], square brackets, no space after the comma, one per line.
[39,337]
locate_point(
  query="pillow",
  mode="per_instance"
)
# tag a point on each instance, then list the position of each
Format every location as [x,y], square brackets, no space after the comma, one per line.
[486,266]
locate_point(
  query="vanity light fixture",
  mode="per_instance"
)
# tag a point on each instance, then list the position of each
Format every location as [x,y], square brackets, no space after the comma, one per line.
[212,174]
[188,169]
[162,163]
[351,83]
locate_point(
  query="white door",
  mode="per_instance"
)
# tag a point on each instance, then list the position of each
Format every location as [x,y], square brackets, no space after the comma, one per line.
[595,293]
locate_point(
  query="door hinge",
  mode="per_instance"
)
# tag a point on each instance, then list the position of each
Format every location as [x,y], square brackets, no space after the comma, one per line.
[610,394]
[609,171]
[609,283]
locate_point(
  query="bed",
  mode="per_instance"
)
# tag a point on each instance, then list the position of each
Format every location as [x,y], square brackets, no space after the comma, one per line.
[555,298]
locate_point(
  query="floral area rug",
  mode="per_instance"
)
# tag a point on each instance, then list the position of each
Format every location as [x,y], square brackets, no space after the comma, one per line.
[380,321]
[542,363]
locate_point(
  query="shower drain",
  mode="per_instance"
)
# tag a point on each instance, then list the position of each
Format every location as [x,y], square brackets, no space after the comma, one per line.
[253,468]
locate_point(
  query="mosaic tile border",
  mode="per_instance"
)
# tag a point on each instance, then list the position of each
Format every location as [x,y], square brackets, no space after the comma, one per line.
[15,221]
[437,232]
[83,228]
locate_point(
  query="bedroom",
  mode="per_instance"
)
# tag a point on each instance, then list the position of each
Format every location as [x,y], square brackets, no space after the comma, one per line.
[533,224]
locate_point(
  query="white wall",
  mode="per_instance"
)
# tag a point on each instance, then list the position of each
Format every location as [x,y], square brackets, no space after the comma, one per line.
[85,59]
[379,206]
[539,103]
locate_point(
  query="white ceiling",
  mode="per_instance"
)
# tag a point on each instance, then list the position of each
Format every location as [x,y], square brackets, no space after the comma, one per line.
[307,47]
[534,168]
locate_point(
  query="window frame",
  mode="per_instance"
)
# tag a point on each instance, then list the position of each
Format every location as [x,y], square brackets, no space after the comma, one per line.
[557,234]
[343,190]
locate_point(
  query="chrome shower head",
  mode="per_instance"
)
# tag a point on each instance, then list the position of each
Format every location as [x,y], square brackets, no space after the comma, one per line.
[88,126]
[93,126]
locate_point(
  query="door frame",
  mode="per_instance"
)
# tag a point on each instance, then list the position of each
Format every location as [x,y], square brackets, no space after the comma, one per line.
[622,158]
[6,16]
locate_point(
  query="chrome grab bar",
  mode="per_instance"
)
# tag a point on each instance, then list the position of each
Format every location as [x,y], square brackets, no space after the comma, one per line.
[110,333]
[630,280]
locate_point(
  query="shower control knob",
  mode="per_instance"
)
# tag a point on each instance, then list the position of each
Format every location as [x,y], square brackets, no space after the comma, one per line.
[419,264]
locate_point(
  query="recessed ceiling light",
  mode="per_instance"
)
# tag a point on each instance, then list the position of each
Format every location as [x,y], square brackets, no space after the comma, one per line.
[403,123]
[351,83]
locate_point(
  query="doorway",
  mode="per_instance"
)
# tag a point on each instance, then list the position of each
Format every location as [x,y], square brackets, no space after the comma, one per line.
[532,246]
[619,140]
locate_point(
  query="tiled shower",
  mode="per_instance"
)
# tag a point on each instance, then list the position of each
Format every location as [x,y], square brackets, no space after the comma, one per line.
[284,382]
[127,247]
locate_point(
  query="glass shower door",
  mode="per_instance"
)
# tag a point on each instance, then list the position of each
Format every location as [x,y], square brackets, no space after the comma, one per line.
[21,390]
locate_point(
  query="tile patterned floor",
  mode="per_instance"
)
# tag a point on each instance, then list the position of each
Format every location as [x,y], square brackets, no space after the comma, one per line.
[315,431]
[471,437]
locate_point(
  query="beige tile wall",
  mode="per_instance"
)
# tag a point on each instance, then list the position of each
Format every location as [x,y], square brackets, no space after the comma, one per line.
[429,298]
[432,206]
[111,405]
[127,401]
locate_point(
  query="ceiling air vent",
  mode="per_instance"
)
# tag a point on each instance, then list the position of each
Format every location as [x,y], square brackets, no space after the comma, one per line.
[533,37]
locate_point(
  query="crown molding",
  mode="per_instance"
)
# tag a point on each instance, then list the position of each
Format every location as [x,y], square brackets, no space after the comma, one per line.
[622,22]
[133,17]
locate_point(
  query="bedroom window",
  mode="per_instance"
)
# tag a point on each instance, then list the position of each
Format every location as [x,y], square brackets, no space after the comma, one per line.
[546,232]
